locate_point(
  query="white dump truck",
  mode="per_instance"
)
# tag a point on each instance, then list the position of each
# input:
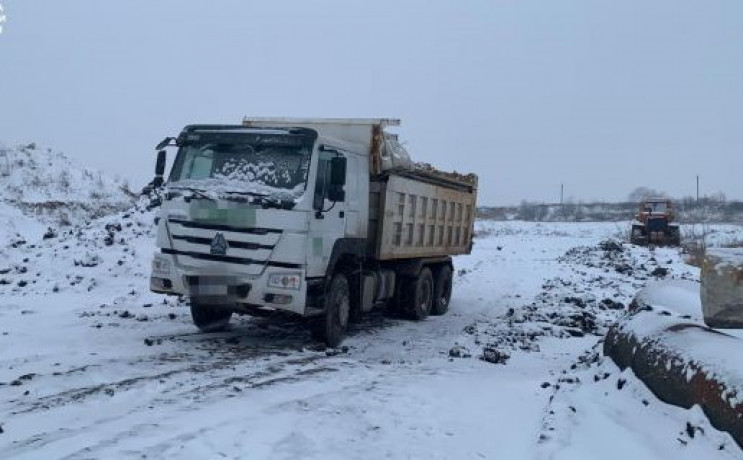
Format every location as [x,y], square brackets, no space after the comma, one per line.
[323,218]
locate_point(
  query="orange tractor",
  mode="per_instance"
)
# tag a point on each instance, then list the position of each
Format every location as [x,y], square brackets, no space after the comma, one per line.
[654,224]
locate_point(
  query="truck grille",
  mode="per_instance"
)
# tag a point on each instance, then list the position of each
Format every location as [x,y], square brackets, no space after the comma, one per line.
[248,250]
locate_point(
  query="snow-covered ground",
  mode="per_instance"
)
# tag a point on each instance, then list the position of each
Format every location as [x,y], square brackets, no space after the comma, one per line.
[92,365]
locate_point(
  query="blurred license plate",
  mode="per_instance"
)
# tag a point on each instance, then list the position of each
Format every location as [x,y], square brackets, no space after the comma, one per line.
[210,289]
[207,286]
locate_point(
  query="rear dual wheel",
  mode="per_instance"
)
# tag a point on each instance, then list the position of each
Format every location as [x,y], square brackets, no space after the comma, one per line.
[427,294]
[442,290]
[418,295]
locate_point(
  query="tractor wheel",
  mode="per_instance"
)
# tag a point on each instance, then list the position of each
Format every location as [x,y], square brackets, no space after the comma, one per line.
[637,236]
[210,318]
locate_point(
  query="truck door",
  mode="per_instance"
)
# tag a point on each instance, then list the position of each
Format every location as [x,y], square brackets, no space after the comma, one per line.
[328,222]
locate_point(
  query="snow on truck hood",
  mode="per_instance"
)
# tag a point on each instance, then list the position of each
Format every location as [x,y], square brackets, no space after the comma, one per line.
[227,189]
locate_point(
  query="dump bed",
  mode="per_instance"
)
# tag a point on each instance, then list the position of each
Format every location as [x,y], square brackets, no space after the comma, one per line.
[421,213]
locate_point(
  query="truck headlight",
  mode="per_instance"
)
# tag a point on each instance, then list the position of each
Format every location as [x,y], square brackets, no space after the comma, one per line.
[285,280]
[160,266]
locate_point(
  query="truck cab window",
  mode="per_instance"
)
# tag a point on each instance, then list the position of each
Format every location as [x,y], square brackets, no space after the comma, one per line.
[200,165]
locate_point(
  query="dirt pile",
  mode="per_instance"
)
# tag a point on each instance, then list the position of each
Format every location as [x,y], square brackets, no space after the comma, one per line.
[602,281]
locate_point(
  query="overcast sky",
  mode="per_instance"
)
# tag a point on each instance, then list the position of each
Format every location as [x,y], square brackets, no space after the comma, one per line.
[601,95]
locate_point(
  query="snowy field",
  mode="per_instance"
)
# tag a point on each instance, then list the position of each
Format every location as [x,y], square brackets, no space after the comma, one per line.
[92,365]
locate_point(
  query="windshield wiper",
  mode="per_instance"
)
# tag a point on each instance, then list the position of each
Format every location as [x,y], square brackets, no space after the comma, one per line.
[242,196]
[245,192]
[195,193]
[265,200]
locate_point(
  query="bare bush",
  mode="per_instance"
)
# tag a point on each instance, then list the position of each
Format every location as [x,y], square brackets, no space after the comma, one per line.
[622,231]
[694,243]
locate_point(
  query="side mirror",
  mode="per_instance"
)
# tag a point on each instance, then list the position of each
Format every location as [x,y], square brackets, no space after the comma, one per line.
[162,156]
[338,171]
[336,193]
[337,179]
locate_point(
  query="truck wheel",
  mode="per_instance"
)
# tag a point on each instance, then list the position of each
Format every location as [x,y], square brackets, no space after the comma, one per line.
[418,305]
[209,318]
[331,327]
[442,290]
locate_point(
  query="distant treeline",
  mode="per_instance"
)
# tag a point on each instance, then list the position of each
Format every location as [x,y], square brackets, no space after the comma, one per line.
[687,210]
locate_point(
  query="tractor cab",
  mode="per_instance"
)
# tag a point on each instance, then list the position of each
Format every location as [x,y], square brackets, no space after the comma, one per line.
[655,207]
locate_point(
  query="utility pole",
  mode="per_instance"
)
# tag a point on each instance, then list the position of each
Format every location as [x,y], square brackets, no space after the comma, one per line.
[562,191]
[697,189]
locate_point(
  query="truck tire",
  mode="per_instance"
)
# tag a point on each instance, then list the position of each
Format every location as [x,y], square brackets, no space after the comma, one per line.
[420,296]
[442,290]
[210,318]
[331,327]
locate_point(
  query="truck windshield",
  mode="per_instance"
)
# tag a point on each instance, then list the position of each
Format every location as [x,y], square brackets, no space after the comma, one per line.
[243,166]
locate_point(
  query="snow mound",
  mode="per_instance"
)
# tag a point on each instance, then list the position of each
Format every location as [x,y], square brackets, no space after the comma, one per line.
[54,189]
[679,297]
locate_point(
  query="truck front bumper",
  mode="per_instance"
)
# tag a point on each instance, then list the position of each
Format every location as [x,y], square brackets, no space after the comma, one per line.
[243,291]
